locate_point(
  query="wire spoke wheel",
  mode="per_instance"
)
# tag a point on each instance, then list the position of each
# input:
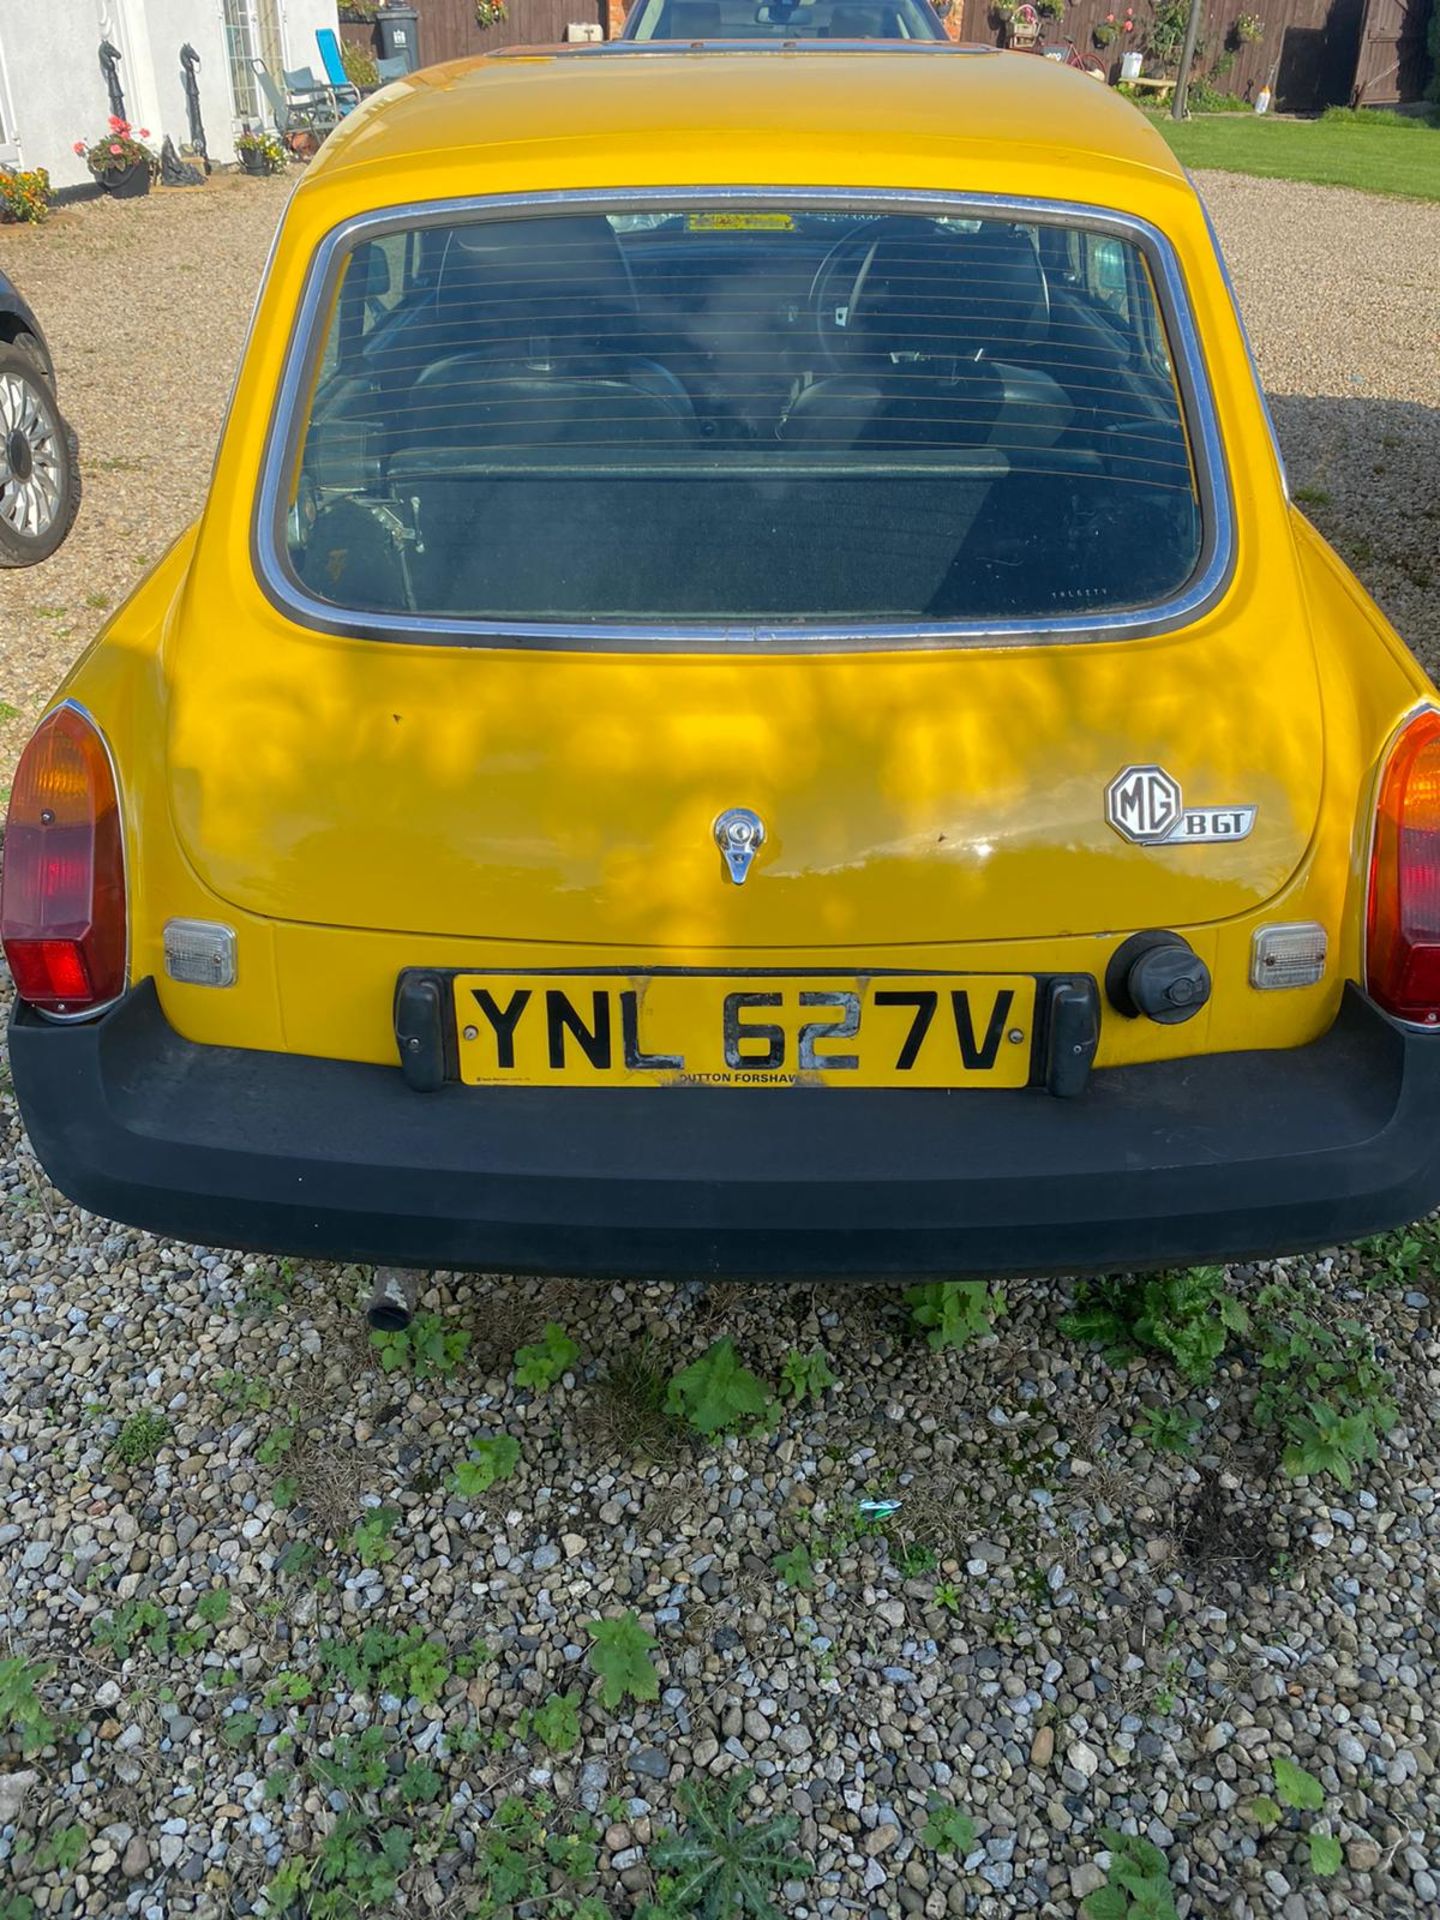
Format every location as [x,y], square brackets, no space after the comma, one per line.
[39,481]
[30,476]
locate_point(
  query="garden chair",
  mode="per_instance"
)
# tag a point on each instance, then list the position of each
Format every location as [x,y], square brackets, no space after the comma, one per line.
[304,84]
[347,94]
[301,111]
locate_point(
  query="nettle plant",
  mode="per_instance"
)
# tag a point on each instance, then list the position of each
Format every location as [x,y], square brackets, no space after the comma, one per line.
[716,1394]
[1299,1792]
[24,1723]
[1322,1387]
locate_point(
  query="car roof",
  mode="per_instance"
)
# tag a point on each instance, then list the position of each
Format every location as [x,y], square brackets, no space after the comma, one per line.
[775,114]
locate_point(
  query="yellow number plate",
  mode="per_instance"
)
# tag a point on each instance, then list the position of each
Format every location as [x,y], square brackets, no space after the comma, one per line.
[723,1030]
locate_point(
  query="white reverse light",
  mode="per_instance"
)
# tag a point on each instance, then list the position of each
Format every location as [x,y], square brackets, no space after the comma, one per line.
[1289,956]
[201,953]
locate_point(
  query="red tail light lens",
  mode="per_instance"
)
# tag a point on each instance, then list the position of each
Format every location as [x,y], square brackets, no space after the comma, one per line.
[1403,936]
[62,903]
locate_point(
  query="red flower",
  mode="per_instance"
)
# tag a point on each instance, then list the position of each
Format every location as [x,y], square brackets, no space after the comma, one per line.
[79,146]
[116,125]
[144,133]
[115,147]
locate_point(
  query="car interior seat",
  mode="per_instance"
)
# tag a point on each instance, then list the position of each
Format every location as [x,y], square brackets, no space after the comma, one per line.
[862,23]
[539,319]
[936,325]
[692,20]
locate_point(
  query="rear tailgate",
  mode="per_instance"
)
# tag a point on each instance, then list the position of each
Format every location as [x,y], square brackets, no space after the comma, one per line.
[937,797]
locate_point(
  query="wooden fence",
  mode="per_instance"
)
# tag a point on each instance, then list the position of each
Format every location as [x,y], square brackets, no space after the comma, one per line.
[1308,51]
[1312,53]
[449,30]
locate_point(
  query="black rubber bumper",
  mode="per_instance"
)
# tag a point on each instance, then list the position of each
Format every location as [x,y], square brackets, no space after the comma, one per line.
[1230,1156]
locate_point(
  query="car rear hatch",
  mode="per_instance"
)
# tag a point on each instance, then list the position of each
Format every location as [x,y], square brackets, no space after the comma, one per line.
[926,797]
[939,502]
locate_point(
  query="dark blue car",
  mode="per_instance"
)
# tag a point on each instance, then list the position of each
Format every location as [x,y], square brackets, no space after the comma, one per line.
[39,454]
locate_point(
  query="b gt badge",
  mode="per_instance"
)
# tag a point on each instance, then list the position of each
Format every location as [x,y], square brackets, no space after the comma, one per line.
[739,834]
[1145,804]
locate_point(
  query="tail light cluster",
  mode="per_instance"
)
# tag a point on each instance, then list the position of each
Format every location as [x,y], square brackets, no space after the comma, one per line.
[62,902]
[1402,961]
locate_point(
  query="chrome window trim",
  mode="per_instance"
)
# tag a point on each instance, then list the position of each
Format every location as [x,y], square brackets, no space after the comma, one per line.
[798,43]
[290,597]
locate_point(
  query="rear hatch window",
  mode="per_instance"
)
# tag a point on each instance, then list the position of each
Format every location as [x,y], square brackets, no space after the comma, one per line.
[743,420]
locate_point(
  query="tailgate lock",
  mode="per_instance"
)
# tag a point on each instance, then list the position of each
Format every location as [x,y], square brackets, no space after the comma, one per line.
[739,834]
[1159,975]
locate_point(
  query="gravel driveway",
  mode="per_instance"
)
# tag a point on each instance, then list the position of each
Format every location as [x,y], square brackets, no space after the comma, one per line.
[274,1636]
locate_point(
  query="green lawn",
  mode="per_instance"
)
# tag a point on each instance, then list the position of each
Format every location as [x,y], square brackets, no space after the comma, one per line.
[1379,154]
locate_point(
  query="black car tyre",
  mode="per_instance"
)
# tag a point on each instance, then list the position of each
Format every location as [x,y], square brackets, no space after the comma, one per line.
[39,464]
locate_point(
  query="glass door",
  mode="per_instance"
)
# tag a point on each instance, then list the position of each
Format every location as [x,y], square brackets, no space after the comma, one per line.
[241,47]
[9,137]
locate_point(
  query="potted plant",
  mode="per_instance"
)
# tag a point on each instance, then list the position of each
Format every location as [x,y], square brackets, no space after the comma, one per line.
[1165,35]
[120,160]
[360,67]
[490,13]
[1050,9]
[1248,30]
[259,152]
[24,195]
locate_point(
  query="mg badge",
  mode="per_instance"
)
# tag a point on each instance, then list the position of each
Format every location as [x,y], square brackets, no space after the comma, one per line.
[1145,804]
[739,834]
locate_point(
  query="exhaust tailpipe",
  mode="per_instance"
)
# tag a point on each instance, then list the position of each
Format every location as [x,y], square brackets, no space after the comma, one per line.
[392,1304]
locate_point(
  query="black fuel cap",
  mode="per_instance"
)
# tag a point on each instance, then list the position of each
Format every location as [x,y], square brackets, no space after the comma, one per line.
[1157,976]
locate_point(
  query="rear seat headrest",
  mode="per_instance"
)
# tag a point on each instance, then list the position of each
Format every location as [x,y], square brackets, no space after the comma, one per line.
[692,20]
[553,261]
[927,289]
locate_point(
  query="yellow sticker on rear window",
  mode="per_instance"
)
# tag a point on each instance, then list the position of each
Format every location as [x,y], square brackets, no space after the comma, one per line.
[740,223]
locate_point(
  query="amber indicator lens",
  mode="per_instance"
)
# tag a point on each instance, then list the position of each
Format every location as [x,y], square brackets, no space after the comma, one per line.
[62,907]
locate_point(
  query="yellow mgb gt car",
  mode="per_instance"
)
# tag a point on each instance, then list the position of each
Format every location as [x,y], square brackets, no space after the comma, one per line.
[747,698]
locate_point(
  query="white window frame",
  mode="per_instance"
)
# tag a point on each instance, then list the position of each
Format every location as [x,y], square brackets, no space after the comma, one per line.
[11,151]
[237,18]
[265,26]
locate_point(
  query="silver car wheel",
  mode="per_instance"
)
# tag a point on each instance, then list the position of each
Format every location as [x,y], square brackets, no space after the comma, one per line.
[31,484]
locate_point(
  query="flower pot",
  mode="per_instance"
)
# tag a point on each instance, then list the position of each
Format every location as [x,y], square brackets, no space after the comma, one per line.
[1130,65]
[127,183]
[254,162]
